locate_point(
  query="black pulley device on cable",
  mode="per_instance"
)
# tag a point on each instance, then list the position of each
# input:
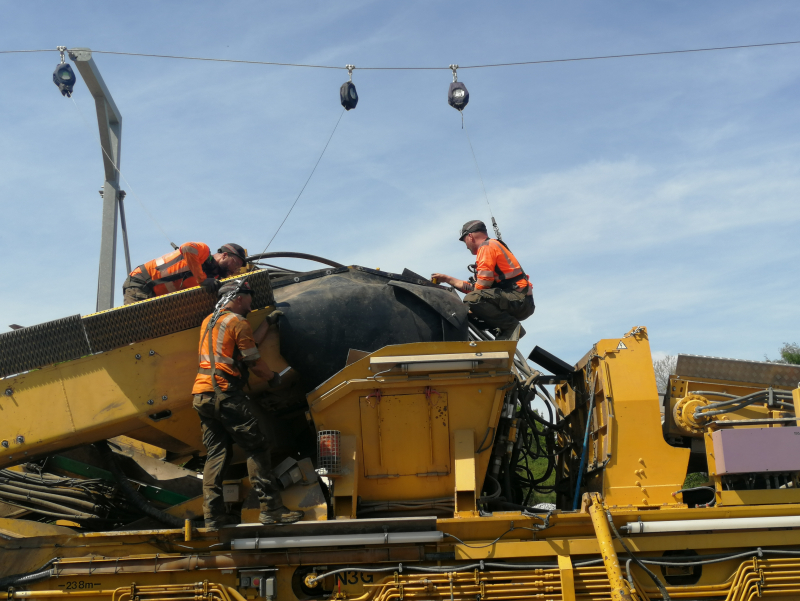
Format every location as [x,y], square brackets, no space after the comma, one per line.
[457,95]
[347,93]
[64,76]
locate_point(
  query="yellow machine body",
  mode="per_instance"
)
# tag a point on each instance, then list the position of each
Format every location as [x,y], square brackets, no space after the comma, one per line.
[416,422]
[142,390]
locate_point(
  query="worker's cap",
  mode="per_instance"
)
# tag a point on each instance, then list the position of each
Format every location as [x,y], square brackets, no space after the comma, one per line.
[235,250]
[244,288]
[470,227]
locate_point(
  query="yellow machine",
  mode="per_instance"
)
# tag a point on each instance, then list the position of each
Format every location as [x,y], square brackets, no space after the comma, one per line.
[413,491]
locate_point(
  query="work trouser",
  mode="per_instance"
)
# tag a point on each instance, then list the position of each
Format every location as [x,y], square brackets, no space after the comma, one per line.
[500,308]
[135,290]
[234,424]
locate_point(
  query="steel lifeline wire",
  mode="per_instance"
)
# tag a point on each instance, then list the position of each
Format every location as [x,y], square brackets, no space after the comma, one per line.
[335,127]
[485,66]
[241,281]
[480,176]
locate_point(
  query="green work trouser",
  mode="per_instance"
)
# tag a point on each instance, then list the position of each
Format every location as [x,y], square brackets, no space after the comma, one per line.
[134,290]
[234,424]
[500,308]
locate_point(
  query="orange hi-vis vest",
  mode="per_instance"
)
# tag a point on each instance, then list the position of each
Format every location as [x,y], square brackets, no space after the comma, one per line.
[177,270]
[497,267]
[231,344]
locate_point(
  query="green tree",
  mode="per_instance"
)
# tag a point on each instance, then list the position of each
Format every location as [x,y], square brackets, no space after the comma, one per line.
[790,353]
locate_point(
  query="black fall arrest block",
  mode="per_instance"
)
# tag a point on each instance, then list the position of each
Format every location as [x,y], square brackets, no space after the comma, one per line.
[64,76]
[347,93]
[457,95]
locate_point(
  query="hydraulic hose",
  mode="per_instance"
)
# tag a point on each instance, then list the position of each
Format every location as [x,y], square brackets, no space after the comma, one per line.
[53,489]
[29,577]
[293,255]
[46,496]
[579,475]
[133,495]
[20,499]
[508,492]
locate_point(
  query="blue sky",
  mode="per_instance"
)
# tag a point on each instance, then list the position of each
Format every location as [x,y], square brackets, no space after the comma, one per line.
[658,191]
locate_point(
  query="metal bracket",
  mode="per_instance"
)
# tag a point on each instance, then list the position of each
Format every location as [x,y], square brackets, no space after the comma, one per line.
[350,70]
[455,74]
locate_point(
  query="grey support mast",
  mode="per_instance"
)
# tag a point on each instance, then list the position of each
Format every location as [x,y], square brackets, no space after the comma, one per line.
[109,120]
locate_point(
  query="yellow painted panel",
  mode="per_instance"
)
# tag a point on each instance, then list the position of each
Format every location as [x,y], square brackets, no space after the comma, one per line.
[796,401]
[567,578]
[465,460]
[408,434]
[643,469]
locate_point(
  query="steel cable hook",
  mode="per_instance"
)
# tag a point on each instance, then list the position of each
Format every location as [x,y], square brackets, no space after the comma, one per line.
[455,74]
[62,50]
[350,70]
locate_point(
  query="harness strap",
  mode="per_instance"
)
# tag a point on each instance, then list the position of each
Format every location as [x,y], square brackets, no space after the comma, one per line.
[510,283]
[213,370]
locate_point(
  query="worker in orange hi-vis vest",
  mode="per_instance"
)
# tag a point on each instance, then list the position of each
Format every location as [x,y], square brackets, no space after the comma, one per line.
[228,353]
[501,295]
[186,267]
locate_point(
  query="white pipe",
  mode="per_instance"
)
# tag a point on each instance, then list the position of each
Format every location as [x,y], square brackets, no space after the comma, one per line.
[787,521]
[391,538]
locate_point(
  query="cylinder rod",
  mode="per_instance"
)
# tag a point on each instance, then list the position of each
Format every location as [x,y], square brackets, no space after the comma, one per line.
[619,590]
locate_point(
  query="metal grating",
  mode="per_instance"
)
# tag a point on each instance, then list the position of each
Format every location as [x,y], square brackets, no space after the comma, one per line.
[43,344]
[163,315]
[75,337]
[738,370]
[259,281]
[148,319]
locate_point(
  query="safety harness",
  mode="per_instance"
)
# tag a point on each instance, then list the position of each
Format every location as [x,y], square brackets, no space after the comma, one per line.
[146,282]
[218,312]
[504,283]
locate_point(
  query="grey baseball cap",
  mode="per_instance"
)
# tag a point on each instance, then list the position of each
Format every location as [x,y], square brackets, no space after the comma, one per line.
[471,226]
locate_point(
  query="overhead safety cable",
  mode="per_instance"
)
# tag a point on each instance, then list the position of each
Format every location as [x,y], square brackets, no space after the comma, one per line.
[484,66]
[480,176]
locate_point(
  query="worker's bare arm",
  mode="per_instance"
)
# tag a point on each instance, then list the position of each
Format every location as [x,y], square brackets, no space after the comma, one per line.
[461,285]
[261,332]
[260,368]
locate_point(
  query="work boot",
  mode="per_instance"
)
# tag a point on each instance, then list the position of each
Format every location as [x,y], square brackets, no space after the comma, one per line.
[281,515]
[214,524]
[506,334]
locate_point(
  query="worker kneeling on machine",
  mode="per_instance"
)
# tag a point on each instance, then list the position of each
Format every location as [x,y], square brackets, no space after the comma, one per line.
[228,352]
[501,295]
[190,265]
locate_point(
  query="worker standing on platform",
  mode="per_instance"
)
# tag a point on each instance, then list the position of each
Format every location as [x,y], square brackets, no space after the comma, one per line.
[228,351]
[183,268]
[502,295]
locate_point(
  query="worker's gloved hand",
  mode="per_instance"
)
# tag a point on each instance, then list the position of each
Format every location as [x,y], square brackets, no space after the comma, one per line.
[273,317]
[275,381]
[211,285]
